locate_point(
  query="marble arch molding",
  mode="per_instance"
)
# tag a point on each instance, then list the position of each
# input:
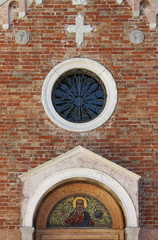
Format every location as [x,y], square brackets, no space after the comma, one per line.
[80,163]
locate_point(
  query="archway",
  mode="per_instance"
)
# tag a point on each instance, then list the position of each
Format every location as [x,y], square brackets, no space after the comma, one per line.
[80,164]
[101,217]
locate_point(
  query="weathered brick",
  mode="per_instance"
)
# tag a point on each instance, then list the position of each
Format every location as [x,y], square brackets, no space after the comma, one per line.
[28,138]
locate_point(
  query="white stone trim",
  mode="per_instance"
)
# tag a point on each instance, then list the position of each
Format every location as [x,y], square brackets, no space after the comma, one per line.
[152,26]
[79,2]
[2,2]
[119,1]
[27,233]
[22,14]
[128,206]
[38,2]
[136,13]
[132,233]
[73,153]
[86,64]
[5,26]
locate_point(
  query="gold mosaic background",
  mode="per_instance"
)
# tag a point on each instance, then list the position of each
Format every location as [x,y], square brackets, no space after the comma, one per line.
[95,208]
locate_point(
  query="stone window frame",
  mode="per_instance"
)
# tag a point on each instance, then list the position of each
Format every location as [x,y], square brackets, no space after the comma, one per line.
[87,64]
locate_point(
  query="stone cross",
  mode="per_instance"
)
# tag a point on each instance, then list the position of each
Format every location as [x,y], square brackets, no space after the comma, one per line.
[79,29]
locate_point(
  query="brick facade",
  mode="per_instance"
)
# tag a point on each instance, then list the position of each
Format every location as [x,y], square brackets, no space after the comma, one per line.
[28,137]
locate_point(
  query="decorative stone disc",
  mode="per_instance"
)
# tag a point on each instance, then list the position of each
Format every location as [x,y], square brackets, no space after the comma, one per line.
[22,37]
[136,36]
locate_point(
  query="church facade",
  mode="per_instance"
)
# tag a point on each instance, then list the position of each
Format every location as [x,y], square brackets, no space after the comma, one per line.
[79,119]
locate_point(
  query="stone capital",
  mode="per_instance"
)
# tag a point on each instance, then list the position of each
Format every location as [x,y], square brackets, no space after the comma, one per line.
[132,233]
[27,233]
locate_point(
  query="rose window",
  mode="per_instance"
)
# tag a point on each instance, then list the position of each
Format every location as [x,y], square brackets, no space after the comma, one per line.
[79,96]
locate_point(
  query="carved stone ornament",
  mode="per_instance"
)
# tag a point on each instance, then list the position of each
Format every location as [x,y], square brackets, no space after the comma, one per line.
[8,13]
[79,29]
[136,36]
[22,37]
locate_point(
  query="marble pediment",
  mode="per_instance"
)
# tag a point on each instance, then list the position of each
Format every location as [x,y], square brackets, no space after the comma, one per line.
[75,165]
[80,158]
[80,163]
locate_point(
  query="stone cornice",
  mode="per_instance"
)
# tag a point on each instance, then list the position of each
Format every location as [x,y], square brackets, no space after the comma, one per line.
[10,9]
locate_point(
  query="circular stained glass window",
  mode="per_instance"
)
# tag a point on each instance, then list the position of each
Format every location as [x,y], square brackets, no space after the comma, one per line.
[79,96]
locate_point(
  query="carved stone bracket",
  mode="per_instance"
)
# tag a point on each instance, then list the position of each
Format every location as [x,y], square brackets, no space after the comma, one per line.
[11,9]
[149,8]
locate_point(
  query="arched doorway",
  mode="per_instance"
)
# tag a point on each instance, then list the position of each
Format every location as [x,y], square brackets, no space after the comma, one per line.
[57,217]
[80,164]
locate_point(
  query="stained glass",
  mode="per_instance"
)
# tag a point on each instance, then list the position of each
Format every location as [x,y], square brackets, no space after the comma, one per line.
[79,97]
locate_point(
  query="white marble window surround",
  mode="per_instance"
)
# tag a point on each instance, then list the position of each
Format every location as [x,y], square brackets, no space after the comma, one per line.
[86,64]
[80,163]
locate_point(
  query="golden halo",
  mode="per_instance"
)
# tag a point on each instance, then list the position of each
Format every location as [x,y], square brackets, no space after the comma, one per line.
[84,202]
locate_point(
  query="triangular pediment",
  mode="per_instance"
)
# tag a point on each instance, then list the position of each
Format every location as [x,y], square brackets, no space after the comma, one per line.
[75,165]
[79,157]
[79,163]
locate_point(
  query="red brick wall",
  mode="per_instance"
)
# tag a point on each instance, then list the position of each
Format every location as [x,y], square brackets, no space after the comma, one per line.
[29,138]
